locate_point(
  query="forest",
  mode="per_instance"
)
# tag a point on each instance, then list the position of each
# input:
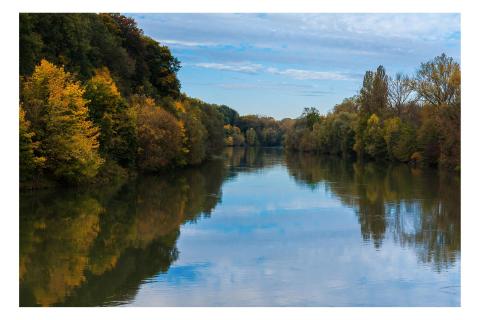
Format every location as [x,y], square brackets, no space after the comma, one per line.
[100,99]
[402,118]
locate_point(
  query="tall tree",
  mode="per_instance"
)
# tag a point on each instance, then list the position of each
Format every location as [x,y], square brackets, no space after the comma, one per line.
[373,96]
[160,136]
[109,111]
[58,114]
[438,81]
[400,92]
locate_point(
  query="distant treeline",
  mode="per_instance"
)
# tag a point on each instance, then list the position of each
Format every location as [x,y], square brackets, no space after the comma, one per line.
[401,118]
[254,130]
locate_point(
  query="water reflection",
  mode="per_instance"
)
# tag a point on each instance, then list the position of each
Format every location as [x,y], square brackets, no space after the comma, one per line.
[98,247]
[419,208]
[88,248]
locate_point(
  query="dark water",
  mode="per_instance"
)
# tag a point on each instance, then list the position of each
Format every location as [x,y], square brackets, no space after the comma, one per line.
[260,228]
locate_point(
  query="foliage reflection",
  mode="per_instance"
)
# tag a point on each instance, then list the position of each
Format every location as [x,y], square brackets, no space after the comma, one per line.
[419,208]
[96,247]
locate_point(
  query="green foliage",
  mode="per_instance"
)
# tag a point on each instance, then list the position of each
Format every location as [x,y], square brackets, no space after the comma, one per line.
[213,122]
[30,163]
[230,116]
[375,145]
[311,116]
[374,92]
[84,42]
[400,139]
[58,114]
[109,111]
[388,121]
[268,131]
[196,136]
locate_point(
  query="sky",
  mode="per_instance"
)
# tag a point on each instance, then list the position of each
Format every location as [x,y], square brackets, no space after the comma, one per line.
[278,64]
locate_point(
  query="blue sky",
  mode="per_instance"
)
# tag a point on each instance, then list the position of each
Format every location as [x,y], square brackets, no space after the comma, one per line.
[277,64]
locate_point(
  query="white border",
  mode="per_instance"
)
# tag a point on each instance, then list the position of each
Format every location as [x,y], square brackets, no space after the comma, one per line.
[470,155]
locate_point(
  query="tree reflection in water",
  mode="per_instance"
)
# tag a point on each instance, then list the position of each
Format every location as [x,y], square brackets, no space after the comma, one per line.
[96,247]
[419,208]
[88,248]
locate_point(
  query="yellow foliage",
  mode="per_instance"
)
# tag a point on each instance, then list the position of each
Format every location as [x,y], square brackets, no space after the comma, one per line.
[373,120]
[55,105]
[179,106]
[102,77]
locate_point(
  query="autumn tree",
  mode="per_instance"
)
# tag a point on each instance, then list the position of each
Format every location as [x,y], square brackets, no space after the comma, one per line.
[437,82]
[160,136]
[251,137]
[375,145]
[58,113]
[311,116]
[110,112]
[233,136]
[400,92]
[373,96]
[30,163]
[400,139]
[196,135]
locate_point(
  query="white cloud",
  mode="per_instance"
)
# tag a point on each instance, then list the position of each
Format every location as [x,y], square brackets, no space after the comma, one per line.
[300,74]
[182,43]
[237,67]
[297,74]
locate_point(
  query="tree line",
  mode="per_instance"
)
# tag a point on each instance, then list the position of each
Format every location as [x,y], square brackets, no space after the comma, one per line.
[99,99]
[255,130]
[401,118]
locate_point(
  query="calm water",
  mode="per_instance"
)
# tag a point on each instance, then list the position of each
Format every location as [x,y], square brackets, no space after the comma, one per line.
[260,228]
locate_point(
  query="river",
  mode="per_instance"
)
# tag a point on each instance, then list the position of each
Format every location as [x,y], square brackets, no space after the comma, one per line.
[258,227]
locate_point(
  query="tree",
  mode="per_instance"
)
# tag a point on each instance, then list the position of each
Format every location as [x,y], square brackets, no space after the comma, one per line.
[233,136]
[380,91]
[251,137]
[109,111]
[311,116]
[343,124]
[30,163]
[230,116]
[58,114]
[373,96]
[400,92]
[271,136]
[213,122]
[429,135]
[438,81]
[160,136]
[349,105]
[375,145]
[84,42]
[196,136]
[400,139]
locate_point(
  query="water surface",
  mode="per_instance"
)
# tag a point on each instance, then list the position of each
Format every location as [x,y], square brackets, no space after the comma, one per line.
[257,228]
